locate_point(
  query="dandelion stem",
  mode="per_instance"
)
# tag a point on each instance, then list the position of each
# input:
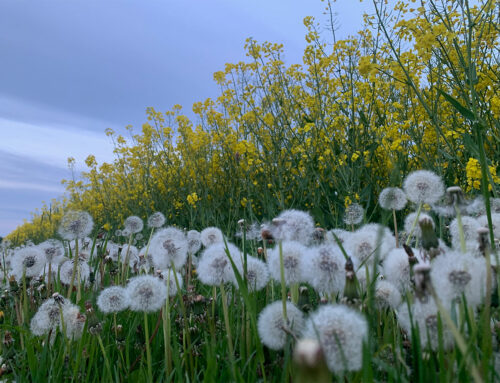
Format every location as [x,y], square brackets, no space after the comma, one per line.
[148,349]
[283,285]
[414,224]
[228,329]
[106,361]
[75,266]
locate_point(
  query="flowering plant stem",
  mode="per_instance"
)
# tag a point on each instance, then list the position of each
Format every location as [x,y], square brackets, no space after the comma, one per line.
[228,330]
[148,348]
[75,266]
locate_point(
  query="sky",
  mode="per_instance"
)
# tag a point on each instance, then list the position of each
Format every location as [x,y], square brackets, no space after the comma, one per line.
[71,69]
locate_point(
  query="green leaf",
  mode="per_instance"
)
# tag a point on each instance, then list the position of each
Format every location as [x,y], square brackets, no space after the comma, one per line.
[468,114]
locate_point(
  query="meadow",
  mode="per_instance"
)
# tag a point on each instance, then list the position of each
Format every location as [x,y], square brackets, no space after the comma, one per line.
[334,220]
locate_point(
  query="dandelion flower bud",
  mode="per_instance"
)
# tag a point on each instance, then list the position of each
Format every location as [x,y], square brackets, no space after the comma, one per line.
[156,220]
[341,332]
[75,224]
[133,224]
[112,299]
[423,186]
[211,236]
[293,225]
[272,328]
[353,214]
[392,199]
[146,293]
[293,258]
[409,224]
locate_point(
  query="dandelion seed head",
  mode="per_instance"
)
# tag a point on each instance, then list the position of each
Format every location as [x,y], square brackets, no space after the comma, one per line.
[423,186]
[387,295]
[293,225]
[169,246]
[495,220]
[112,299]
[82,273]
[353,214]
[342,235]
[214,266]
[324,269]
[146,293]
[74,321]
[133,224]
[53,250]
[341,332]
[75,224]
[392,199]
[156,220]
[293,256]
[396,269]
[194,241]
[168,277]
[257,274]
[211,236]
[369,239]
[410,218]
[272,327]
[469,226]
[28,260]
[48,316]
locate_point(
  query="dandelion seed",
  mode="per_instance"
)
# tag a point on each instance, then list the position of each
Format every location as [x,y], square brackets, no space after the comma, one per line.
[353,214]
[156,220]
[112,299]
[146,293]
[341,332]
[169,246]
[293,225]
[293,256]
[75,224]
[423,186]
[133,224]
[324,269]
[273,329]
[392,199]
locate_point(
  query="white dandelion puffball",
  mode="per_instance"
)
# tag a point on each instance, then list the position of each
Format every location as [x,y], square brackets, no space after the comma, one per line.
[396,269]
[386,295]
[81,276]
[112,300]
[495,220]
[113,250]
[156,220]
[73,321]
[132,253]
[194,241]
[353,214]
[214,266]
[146,293]
[324,269]
[368,241]
[293,259]
[392,199]
[341,332]
[75,224]
[423,186]
[425,317]
[48,316]
[469,229]
[257,274]
[168,277]
[133,224]
[211,236]
[293,225]
[169,246]
[29,261]
[272,328]
[53,250]
[341,234]
[454,274]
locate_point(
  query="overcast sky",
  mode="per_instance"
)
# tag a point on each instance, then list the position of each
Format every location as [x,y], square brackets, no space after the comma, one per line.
[71,69]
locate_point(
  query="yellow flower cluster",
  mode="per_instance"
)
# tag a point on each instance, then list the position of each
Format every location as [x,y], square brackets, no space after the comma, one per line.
[473,170]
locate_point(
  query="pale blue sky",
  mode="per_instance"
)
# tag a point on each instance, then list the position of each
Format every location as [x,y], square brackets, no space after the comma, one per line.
[71,69]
